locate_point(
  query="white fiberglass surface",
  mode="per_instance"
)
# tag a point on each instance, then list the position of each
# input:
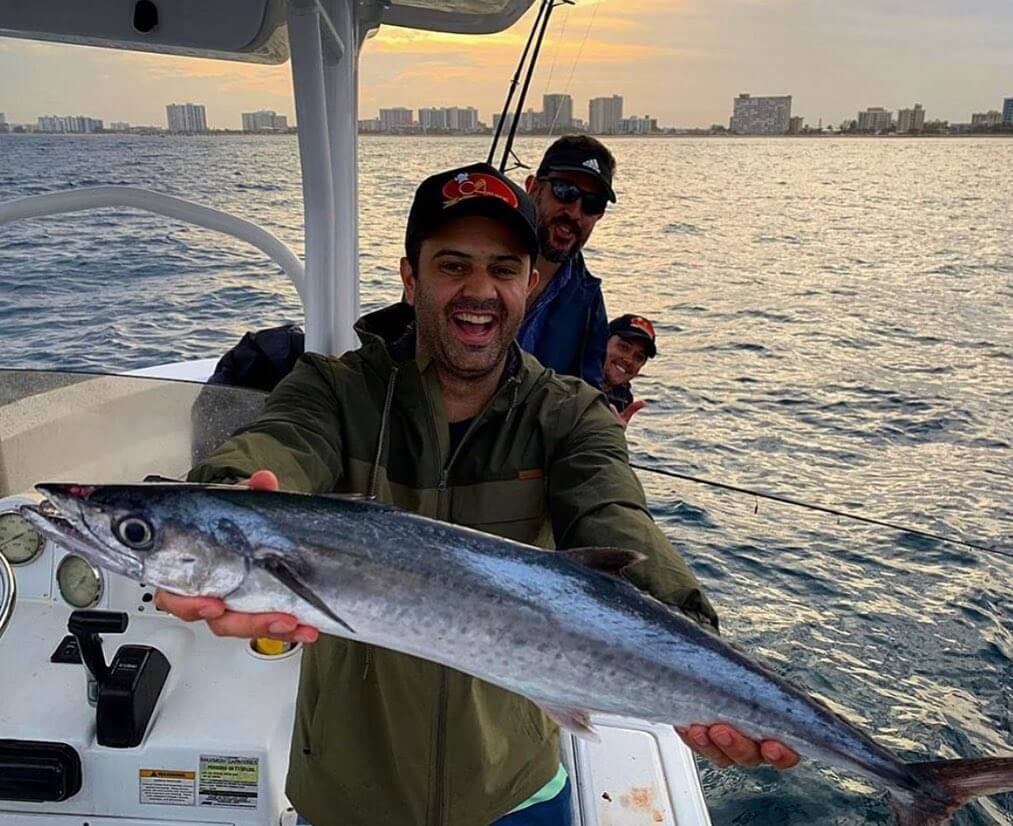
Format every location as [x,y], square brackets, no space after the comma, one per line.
[83,427]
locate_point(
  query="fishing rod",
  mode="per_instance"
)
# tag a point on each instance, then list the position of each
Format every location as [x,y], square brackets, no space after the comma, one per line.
[784,500]
[515,81]
[540,26]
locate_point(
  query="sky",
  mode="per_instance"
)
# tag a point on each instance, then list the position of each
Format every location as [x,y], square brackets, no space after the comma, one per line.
[680,61]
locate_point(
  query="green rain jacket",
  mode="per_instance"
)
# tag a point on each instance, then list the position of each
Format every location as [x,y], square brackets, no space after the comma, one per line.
[384,738]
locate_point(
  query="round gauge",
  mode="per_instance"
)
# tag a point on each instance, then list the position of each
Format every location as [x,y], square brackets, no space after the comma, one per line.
[19,541]
[80,582]
[7,593]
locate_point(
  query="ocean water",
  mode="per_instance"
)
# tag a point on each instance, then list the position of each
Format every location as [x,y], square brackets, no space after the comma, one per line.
[835,324]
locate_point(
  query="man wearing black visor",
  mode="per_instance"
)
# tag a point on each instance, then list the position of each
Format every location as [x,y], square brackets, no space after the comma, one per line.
[566,326]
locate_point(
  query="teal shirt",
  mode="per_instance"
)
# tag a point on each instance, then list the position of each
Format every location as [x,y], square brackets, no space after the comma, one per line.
[547,792]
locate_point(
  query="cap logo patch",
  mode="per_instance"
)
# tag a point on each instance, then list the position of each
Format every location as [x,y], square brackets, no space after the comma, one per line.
[643,325]
[476,185]
[592,163]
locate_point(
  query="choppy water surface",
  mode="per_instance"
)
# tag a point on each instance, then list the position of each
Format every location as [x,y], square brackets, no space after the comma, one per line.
[836,324]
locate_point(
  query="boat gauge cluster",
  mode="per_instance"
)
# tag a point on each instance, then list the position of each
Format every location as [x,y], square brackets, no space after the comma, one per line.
[20,543]
[77,582]
[80,583]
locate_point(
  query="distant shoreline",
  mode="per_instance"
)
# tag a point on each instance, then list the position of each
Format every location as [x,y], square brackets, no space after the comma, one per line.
[226,133]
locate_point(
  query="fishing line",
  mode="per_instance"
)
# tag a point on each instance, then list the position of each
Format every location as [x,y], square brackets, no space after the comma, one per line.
[580,51]
[784,500]
[552,70]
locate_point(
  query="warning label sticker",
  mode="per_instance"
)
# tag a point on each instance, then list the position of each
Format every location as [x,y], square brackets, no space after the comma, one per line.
[167,788]
[229,781]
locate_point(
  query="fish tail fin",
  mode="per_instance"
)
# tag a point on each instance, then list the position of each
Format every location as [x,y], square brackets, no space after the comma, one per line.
[946,785]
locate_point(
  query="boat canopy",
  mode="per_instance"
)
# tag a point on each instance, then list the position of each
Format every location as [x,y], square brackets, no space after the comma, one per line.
[254,31]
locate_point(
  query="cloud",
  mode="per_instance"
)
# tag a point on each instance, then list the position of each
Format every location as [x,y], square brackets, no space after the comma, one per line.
[223,75]
[682,60]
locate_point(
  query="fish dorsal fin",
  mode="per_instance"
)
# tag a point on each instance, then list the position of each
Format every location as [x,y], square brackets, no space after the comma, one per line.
[612,561]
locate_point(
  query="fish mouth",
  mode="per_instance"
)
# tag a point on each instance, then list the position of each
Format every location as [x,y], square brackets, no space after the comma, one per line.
[60,519]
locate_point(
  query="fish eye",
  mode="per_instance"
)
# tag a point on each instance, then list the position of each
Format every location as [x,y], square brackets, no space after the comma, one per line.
[135,532]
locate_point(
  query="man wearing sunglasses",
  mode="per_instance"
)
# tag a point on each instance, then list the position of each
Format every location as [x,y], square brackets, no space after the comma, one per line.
[566,327]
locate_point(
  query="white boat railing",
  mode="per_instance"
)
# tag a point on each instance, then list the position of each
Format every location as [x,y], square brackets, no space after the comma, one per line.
[131,197]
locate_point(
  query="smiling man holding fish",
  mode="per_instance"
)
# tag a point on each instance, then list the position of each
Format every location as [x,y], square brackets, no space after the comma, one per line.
[440,413]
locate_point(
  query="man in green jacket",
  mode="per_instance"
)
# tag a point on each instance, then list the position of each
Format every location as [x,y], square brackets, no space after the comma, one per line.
[441,413]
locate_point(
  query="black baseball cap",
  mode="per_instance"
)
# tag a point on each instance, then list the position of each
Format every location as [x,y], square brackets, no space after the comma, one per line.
[572,159]
[479,189]
[635,326]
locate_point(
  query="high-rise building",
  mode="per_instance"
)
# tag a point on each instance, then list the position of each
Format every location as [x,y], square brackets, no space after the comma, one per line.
[910,120]
[875,119]
[989,118]
[557,110]
[466,119]
[4,126]
[433,120]
[395,119]
[1007,112]
[186,117]
[796,123]
[449,119]
[605,115]
[462,119]
[634,125]
[769,115]
[529,121]
[68,124]
[264,121]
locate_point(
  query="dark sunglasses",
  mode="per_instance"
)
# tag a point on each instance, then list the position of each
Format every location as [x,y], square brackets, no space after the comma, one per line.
[566,193]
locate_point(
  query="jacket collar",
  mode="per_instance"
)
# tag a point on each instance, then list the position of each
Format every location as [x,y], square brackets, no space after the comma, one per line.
[581,275]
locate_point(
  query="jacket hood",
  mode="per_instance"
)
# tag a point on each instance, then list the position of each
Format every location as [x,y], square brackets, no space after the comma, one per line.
[386,326]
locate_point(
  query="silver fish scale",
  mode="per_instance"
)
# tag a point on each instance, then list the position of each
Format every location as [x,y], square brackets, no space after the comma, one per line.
[543,626]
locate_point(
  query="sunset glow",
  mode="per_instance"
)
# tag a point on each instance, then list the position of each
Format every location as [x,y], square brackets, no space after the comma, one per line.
[681,62]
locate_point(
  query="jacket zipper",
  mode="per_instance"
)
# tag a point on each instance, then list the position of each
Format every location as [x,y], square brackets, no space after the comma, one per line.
[439,787]
[443,508]
[374,472]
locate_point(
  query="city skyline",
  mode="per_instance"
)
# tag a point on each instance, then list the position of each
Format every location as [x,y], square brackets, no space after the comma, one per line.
[679,62]
[750,115]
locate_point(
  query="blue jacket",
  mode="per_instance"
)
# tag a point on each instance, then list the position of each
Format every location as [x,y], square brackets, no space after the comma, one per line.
[570,332]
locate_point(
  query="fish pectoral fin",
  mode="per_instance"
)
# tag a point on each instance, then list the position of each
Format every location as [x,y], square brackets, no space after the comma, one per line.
[574,720]
[279,568]
[612,561]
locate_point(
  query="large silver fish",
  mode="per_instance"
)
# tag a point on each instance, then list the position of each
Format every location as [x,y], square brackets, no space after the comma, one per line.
[546,625]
